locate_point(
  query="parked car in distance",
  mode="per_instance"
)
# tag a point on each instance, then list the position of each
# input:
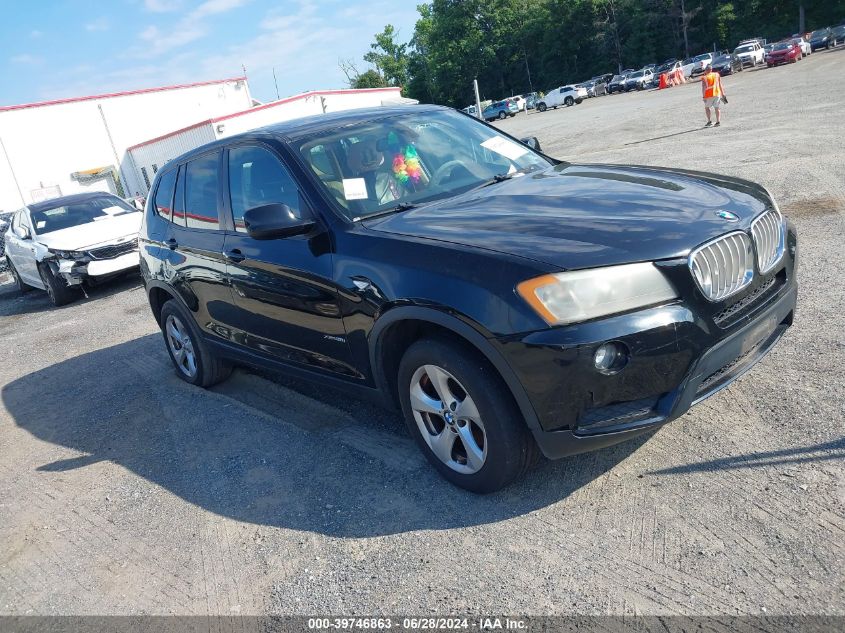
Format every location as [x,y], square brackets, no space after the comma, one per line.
[667,67]
[750,54]
[837,34]
[563,96]
[700,63]
[597,87]
[803,44]
[60,244]
[726,64]
[460,295]
[637,80]
[783,53]
[605,78]
[821,38]
[471,110]
[519,100]
[617,84]
[531,101]
[500,110]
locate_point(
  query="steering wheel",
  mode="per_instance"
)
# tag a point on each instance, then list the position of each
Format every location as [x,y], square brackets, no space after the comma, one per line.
[443,170]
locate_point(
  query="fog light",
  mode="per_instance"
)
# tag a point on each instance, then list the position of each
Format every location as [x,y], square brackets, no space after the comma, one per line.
[611,357]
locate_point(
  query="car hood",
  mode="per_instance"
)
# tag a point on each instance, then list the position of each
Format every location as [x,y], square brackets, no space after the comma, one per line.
[92,234]
[581,216]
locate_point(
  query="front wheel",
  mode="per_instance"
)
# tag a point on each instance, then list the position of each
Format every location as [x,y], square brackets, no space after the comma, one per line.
[194,362]
[541,107]
[463,417]
[57,289]
[22,286]
[568,101]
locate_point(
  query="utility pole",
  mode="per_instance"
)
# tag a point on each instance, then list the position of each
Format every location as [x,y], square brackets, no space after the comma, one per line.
[801,19]
[477,99]
[124,184]
[12,171]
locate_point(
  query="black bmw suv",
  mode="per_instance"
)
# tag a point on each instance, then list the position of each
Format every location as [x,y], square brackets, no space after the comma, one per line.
[510,304]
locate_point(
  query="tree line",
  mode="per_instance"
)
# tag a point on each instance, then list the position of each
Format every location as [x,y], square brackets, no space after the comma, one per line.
[520,46]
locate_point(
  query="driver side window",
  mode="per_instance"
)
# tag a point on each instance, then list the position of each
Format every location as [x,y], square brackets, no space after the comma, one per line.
[256,178]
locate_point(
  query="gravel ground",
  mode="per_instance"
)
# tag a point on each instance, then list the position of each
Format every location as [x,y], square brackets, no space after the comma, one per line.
[125,491]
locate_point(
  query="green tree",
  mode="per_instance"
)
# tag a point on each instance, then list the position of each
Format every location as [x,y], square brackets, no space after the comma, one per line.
[389,58]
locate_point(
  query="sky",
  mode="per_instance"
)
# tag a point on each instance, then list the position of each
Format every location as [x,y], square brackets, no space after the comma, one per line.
[52,49]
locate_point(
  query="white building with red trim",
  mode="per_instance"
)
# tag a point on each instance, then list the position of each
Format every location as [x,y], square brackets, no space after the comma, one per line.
[66,146]
[149,155]
[116,142]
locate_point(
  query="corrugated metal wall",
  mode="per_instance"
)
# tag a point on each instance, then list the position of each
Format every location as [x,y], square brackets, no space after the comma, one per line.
[160,152]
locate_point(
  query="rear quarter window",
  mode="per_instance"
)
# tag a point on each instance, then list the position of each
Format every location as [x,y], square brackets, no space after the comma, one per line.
[164,195]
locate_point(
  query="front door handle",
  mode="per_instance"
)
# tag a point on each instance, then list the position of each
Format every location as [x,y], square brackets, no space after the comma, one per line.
[172,244]
[235,255]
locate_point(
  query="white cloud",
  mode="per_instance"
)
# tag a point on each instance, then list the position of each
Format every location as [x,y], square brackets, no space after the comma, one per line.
[150,33]
[100,24]
[213,7]
[25,58]
[162,6]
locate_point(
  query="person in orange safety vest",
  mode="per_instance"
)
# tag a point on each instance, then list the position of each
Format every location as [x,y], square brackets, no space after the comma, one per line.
[713,93]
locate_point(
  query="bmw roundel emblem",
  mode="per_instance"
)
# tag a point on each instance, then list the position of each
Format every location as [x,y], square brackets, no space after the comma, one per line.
[727,215]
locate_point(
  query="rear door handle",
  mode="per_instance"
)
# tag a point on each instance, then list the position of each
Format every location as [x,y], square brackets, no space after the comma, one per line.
[172,244]
[235,255]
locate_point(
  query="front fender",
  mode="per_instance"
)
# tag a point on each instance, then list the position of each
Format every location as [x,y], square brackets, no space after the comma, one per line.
[459,325]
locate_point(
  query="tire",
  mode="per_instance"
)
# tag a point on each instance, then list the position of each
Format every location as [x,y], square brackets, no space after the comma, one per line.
[541,107]
[57,289]
[487,450]
[502,115]
[578,101]
[22,286]
[193,361]
[568,101]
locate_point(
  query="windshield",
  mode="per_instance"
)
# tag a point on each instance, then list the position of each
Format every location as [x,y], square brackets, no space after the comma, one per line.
[414,158]
[721,59]
[639,73]
[617,78]
[745,49]
[819,33]
[782,46]
[78,213]
[699,58]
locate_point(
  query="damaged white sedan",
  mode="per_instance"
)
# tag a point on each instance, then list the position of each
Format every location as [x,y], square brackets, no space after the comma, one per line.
[61,245]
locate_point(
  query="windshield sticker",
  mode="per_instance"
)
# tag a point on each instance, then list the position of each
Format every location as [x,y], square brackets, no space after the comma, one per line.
[354,189]
[114,210]
[40,224]
[506,148]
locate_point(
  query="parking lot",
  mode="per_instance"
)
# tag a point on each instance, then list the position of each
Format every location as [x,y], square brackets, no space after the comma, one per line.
[124,490]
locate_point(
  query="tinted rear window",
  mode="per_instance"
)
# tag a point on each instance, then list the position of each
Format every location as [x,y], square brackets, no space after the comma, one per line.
[164,194]
[201,193]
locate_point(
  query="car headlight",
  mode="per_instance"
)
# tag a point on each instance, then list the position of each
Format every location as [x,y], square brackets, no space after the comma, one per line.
[67,254]
[581,295]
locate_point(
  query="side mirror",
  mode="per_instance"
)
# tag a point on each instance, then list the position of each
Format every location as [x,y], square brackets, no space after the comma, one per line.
[531,141]
[23,232]
[272,221]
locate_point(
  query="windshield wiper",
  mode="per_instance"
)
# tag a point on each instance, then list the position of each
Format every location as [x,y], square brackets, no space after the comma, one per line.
[398,208]
[496,179]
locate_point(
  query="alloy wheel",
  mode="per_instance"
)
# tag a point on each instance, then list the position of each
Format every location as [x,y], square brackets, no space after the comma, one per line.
[181,346]
[448,419]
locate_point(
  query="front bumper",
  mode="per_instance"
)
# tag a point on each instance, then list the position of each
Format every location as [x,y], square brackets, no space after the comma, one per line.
[75,272]
[678,357]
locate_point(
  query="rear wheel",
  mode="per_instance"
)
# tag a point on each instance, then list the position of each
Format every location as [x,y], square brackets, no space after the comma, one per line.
[57,289]
[462,416]
[194,362]
[502,115]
